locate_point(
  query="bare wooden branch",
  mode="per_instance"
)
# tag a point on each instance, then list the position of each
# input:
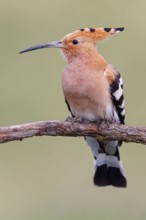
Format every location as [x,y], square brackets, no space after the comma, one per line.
[73,127]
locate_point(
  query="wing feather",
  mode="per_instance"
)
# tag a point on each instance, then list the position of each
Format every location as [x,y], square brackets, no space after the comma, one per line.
[116,89]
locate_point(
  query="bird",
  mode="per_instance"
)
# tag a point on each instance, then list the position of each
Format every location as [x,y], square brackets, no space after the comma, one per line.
[93,90]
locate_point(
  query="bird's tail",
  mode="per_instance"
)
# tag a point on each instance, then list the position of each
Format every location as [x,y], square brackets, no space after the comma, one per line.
[108,169]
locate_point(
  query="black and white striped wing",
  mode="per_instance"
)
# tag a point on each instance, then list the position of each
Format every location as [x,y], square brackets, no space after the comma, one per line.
[116,89]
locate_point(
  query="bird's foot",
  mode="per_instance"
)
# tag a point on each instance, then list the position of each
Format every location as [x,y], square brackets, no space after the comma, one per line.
[74,119]
[68,119]
[104,122]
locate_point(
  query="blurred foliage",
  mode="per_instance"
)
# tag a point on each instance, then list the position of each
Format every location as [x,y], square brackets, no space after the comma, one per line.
[48,177]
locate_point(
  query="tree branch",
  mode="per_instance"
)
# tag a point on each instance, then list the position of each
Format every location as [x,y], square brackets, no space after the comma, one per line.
[73,127]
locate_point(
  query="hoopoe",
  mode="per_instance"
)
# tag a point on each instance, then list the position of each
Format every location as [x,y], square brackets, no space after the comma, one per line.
[93,90]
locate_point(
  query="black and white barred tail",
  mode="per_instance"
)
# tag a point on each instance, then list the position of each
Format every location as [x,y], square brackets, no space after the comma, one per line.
[108,169]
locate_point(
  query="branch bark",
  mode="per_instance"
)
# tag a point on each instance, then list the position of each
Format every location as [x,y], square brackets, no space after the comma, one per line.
[73,127]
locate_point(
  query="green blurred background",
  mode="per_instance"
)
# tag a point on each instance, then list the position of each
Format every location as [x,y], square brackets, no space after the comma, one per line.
[51,177]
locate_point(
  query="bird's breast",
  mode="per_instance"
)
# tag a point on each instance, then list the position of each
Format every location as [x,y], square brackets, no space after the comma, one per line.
[87,93]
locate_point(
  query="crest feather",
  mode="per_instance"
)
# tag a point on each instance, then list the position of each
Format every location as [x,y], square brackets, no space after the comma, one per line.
[97,34]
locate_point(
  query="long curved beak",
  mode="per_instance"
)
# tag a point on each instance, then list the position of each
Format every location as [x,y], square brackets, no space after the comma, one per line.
[55,44]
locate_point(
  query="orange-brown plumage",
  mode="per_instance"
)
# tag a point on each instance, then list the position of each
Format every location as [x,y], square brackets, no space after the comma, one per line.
[86,88]
[86,78]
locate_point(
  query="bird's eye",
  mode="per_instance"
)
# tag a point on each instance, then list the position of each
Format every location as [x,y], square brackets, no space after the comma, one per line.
[75,42]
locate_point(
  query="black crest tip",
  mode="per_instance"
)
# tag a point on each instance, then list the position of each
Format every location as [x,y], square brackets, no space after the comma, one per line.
[119,29]
[107,29]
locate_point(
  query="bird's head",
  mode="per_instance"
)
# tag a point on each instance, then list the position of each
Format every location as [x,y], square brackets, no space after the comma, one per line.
[78,42]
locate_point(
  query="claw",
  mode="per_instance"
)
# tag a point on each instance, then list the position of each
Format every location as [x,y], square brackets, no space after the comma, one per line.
[69,119]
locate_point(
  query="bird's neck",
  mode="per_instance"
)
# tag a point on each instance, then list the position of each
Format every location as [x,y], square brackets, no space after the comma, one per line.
[88,59]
